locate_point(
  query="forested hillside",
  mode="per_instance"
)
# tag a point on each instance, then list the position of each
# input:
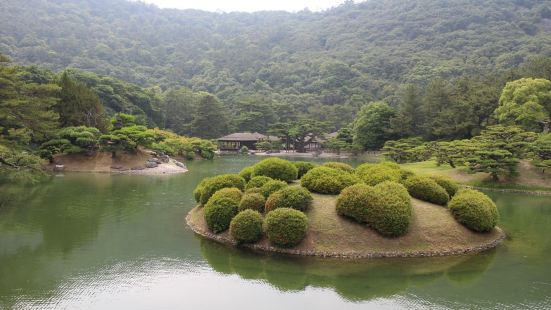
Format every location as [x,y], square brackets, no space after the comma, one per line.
[324,65]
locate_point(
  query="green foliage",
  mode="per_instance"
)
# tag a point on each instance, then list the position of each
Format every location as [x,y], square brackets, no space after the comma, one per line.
[276,168]
[246,226]
[198,191]
[354,200]
[474,210]
[272,186]
[285,227]
[371,126]
[340,166]
[175,145]
[405,150]
[448,184]
[258,181]
[542,152]
[71,140]
[293,197]
[232,193]
[244,150]
[219,214]
[253,201]
[427,189]
[209,120]
[17,166]
[218,182]
[325,180]
[303,167]
[246,173]
[373,174]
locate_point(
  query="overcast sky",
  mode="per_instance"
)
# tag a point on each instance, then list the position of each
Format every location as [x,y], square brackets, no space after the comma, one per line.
[246,5]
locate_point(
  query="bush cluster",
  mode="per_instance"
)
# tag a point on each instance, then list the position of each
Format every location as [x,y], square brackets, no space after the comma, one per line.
[219,214]
[253,201]
[258,181]
[246,173]
[199,189]
[340,166]
[293,197]
[474,210]
[276,168]
[256,190]
[303,167]
[213,184]
[427,189]
[272,187]
[325,180]
[373,174]
[232,193]
[448,184]
[246,226]
[285,227]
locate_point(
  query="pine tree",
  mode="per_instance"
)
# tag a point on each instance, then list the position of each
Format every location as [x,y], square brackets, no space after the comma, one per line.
[209,120]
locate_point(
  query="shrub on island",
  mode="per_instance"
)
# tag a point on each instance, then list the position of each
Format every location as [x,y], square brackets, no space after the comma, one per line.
[219,214]
[285,227]
[294,197]
[258,181]
[340,166]
[272,187]
[199,189]
[354,200]
[448,184]
[246,226]
[232,193]
[325,180]
[218,182]
[427,189]
[246,173]
[373,174]
[303,167]
[277,169]
[256,190]
[252,201]
[474,210]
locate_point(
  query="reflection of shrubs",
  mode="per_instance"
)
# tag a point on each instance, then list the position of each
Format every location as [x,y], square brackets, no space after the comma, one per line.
[276,168]
[246,226]
[219,214]
[285,227]
[474,210]
[272,187]
[373,174]
[216,183]
[327,180]
[426,189]
[253,201]
[303,167]
[340,166]
[257,182]
[232,193]
[294,197]
[246,173]
[448,184]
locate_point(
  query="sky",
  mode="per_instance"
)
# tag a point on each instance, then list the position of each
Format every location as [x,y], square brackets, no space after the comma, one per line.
[246,5]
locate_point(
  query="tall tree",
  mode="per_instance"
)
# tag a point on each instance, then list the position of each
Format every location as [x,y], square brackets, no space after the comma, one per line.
[210,119]
[372,125]
[179,107]
[409,117]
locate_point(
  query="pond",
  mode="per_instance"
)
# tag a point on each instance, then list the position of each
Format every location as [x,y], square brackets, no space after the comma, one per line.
[97,241]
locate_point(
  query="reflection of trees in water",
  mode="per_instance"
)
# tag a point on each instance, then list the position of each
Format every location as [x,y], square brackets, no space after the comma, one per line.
[353,280]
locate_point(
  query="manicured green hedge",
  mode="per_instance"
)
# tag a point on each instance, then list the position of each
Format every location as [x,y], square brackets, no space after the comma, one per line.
[340,166]
[303,167]
[199,189]
[232,193]
[277,169]
[354,201]
[427,189]
[256,190]
[325,180]
[246,226]
[219,214]
[272,187]
[294,197]
[373,174]
[246,173]
[448,184]
[285,227]
[218,182]
[258,181]
[474,210]
[253,201]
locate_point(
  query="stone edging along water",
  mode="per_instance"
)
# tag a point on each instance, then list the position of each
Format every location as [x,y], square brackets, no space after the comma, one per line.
[348,255]
[509,190]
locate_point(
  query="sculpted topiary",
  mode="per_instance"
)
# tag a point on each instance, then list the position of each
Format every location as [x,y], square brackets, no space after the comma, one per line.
[246,226]
[354,201]
[258,181]
[448,184]
[303,167]
[277,169]
[219,214]
[253,201]
[285,227]
[199,189]
[427,189]
[373,174]
[340,166]
[325,180]
[246,173]
[294,197]
[474,210]
[272,187]
[232,193]
[218,182]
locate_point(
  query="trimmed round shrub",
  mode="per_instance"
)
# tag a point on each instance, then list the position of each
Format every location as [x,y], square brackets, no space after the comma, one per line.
[277,169]
[272,187]
[199,189]
[246,226]
[257,182]
[219,214]
[232,193]
[303,167]
[253,201]
[354,201]
[427,189]
[474,210]
[256,190]
[294,197]
[218,182]
[373,174]
[285,227]
[246,173]
[340,166]
[448,184]
[325,180]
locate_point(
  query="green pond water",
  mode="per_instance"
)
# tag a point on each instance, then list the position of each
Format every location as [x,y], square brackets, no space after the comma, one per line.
[93,241]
